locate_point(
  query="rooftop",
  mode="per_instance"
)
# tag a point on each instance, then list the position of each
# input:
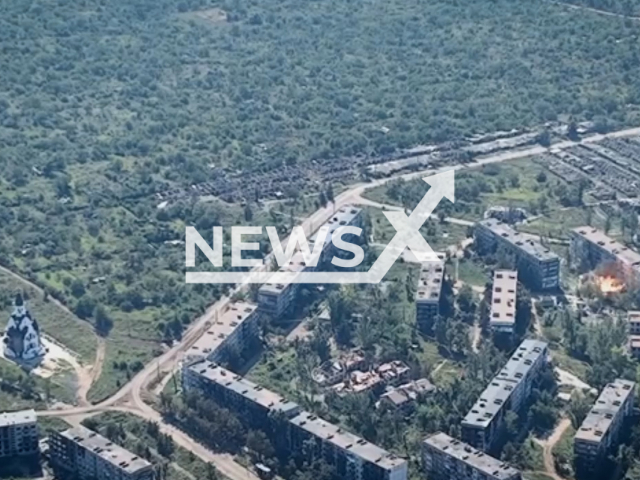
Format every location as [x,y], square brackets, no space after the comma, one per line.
[522,359]
[409,391]
[222,328]
[104,448]
[499,390]
[430,281]
[633,317]
[251,391]
[345,216]
[347,441]
[519,240]
[480,461]
[23,417]
[604,411]
[622,253]
[503,300]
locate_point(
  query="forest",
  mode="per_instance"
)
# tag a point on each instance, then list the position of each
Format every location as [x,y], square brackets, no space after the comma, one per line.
[104,103]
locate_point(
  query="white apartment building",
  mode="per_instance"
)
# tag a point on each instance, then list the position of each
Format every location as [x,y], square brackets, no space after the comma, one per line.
[482,427]
[503,301]
[428,293]
[445,458]
[18,433]
[599,434]
[87,455]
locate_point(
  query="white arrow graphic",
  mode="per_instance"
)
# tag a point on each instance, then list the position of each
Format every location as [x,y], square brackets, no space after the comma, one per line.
[408,235]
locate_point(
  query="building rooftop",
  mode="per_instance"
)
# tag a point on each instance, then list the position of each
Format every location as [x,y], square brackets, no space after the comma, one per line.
[499,390]
[519,240]
[633,316]
[221,329]
[503,299]
[251,391]
[521,361]
[345,216]
[23,417]
[409,392]
[430,282]
[347,441]
[622,253]
[475,459]
[603,412]
[103,447]
[341,218]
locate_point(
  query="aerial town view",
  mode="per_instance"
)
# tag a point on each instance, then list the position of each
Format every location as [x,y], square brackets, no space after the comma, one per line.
[320,240]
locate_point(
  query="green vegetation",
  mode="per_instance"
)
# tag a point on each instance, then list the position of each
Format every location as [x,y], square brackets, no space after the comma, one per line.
[171,462]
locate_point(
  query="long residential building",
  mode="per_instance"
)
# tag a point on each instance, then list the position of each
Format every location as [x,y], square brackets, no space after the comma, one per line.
[483,426]
[234,330]
[445,458]
[18,434]
[84,454]
[428,293]
[600,431]
[353,457]
[539,267]
[277,298]
[592,248]
[503,301]
[634,333]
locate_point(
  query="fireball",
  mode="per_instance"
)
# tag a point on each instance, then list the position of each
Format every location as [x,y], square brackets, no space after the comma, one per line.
[609,285]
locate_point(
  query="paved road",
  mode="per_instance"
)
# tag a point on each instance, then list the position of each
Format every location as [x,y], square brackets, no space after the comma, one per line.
[129,397]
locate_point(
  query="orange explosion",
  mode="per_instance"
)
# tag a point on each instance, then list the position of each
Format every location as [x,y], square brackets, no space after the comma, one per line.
[609,285]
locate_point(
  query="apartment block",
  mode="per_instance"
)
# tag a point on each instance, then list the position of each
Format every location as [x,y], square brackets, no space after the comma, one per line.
[428,293]
[18,434]
[483,426]
[591,248]
[503,301]
[84,454]
[599,434]
[445,458]
[234,330]
[255,403]
[539,267]
[277,298]
[634,333]
[353,457]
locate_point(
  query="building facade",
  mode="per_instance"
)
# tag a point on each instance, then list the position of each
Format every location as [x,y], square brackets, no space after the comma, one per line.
[483,426]
[18,434]
[591,248]
[22,340]
[235,330]
[276,299]
[633,319]
[502,315]
[599,434]
[445,458]
[538,267]
[84,454]
[304,433]
[428,294]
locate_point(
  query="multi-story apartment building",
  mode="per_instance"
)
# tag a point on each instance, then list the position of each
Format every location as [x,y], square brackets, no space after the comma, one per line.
[428,293]
[353,457]
[538,267]
[502,317]
[18,434]
[509,390]
[276,298]
[599,434]
[253,402]
[591,248]
[445,458]
[234,330]
[634,333]
[84,454]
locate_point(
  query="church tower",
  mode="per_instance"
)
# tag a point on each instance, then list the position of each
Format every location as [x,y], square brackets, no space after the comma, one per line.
[22,342]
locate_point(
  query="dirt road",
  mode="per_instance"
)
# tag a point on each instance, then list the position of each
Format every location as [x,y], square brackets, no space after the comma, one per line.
[547,448]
